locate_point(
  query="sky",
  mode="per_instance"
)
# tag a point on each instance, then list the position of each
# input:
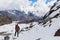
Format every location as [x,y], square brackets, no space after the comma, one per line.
[35,6]
[47,1]
[33,0]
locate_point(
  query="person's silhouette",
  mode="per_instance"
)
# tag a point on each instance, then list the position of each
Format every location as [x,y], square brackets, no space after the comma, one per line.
[17,28]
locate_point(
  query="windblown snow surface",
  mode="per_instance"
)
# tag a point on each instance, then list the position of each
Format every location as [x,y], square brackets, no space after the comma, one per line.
[38,31]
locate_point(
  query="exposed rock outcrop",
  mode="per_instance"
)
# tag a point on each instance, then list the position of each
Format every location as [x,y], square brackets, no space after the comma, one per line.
[57,33]
[4,20]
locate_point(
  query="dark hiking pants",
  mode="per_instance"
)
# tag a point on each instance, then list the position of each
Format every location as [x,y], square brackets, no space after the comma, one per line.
[17,33]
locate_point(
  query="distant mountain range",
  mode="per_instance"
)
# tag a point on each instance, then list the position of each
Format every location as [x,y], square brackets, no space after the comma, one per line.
[20,16]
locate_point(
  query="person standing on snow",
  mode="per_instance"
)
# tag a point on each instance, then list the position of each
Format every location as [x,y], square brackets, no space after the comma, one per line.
[17,28]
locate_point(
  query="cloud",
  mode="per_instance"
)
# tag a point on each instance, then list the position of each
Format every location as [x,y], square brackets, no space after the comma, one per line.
[12,4]
[5,3]
[51,3]
[39,8]
[42,7]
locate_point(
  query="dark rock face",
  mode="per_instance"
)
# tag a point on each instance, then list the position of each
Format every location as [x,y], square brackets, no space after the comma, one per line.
[57,33]
[55,9]
[38,39]
[4,20]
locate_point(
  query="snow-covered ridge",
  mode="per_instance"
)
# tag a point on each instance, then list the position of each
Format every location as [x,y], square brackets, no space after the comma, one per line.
[17,15]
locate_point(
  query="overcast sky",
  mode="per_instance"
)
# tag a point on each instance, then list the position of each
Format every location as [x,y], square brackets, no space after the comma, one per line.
[40,6]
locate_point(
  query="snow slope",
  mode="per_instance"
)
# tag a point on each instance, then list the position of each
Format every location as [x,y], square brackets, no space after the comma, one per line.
[38,31]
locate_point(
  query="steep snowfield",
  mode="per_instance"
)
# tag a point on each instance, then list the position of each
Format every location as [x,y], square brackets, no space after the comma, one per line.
[38,31]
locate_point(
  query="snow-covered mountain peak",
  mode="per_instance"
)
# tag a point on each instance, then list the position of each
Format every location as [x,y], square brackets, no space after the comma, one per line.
[55,9]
